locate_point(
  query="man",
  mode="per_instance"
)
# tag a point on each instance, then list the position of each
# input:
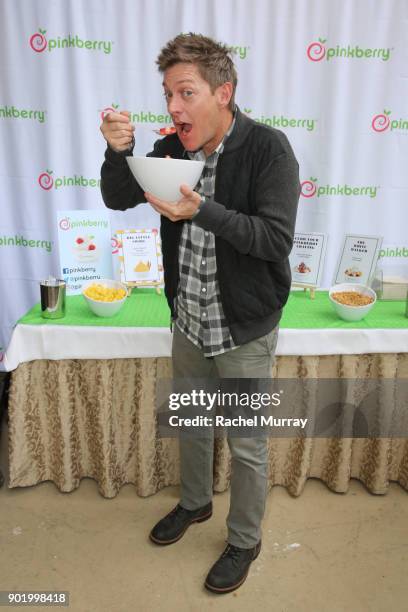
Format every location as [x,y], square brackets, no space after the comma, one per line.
[227,277]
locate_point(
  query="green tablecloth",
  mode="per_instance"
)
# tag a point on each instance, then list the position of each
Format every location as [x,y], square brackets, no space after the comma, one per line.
[145,308]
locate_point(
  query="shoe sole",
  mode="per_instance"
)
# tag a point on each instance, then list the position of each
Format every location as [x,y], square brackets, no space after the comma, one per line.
[200,519]
[226,590]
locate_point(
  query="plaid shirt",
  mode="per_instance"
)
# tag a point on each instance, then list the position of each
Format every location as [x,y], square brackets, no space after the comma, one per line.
[200,314]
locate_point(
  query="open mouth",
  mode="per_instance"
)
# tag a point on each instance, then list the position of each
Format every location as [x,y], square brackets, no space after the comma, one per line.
[184,128]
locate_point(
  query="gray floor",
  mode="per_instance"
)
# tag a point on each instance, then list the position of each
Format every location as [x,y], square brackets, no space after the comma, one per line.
[322,552]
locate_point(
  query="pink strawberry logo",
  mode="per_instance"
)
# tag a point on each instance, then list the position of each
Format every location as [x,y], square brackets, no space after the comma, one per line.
[38,42]
[45,180]
[316,50]
[109,109]
[308,188]
[381,122]
[116,245]
[65,224]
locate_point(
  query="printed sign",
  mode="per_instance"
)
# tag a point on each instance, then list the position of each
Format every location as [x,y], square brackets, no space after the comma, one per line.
[84,239]
[358,259]
[140,256]
[307,258]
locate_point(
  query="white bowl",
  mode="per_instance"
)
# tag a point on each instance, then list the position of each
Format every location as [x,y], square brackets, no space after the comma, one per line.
[352,313]
[163,176]
[105,309]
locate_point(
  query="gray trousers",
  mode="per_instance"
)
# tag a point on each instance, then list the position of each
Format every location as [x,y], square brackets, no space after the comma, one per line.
[249,456]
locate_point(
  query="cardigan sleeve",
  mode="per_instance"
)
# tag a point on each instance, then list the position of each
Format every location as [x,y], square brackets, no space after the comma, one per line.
[269,234]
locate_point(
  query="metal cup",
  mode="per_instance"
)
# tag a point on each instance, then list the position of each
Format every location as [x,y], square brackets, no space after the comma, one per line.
[52,299]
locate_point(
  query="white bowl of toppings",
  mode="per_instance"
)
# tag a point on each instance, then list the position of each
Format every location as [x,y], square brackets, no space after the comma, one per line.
[105,297]
[162,176]
[351,301]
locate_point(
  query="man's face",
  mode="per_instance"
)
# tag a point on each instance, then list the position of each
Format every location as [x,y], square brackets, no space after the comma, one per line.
[197,113]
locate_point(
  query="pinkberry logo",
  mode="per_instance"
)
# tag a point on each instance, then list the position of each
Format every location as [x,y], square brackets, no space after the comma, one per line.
[38,42]
[311,188]
[45,180]
[140,116]
[383,122]
[65,224]
[282,122]
[318,50]
[116,245]
[308,188]
[109,109]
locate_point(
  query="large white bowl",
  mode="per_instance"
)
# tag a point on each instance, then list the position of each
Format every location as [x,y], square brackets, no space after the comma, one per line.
[352,313]
[163,176]
[105,309]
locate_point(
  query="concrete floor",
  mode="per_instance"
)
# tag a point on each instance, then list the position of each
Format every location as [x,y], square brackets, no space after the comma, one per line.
[322,552]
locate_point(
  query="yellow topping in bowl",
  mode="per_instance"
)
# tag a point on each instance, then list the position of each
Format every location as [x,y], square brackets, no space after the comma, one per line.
[100,293]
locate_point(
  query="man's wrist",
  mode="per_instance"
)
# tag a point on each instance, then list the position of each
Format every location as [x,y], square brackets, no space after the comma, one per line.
[202,200]
[129,149]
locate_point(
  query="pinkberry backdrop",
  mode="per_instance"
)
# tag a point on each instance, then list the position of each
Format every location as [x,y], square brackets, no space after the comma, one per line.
[332,75]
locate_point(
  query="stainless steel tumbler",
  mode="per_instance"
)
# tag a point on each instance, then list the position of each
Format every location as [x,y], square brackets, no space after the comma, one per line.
[52,298]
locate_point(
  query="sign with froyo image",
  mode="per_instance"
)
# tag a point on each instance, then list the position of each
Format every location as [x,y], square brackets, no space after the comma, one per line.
[307,258]
[358,259]
[84,239]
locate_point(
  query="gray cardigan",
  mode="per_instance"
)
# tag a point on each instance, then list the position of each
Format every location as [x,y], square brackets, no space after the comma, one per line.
[252,215]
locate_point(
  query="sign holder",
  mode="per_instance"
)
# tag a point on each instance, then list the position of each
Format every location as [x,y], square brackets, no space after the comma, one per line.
[140,258]
[310,288]
[357,259]
[307,259]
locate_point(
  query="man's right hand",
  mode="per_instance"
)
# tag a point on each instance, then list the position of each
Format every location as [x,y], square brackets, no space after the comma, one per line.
[118,131]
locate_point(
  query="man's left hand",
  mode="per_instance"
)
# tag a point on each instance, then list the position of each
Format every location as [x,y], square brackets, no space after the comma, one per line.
[177,211]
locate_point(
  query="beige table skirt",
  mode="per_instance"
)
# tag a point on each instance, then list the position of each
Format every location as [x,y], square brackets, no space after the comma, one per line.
[75,419]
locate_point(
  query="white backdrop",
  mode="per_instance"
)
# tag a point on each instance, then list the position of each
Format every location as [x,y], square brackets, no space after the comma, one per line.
[332,75]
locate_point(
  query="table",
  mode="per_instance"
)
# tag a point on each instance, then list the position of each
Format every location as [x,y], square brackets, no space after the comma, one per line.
[82,397]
